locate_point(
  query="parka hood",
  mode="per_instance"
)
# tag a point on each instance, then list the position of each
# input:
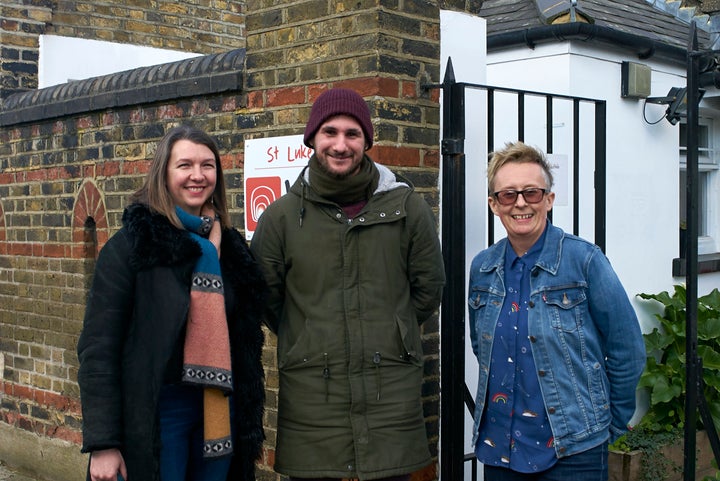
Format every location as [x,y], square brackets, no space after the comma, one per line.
[387,182]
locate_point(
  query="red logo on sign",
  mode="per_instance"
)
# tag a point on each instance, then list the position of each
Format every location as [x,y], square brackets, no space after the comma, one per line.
[260,192]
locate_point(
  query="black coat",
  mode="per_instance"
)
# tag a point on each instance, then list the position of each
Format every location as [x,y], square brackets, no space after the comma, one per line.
[135,321]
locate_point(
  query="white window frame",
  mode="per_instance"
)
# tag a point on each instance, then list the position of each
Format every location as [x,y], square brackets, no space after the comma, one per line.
[708,179]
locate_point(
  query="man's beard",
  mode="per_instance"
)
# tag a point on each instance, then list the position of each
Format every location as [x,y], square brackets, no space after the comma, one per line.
[339,175]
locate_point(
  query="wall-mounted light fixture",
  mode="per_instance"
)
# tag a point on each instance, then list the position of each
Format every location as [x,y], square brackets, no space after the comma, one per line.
[676,100]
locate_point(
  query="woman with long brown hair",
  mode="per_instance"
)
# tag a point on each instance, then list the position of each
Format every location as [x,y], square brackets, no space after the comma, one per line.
[170,376]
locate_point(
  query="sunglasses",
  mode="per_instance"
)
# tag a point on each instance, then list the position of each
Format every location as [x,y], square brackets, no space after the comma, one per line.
[532,195]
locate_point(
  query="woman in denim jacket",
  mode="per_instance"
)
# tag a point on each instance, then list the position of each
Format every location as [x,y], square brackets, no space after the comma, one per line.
[558,343]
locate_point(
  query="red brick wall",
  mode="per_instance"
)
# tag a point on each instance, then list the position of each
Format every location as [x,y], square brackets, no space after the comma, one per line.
[64,180]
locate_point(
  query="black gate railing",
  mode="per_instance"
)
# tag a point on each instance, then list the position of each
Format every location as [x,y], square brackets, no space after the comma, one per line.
[455,395]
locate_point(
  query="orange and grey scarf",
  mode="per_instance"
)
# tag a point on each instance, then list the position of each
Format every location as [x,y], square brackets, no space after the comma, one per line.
[206,361]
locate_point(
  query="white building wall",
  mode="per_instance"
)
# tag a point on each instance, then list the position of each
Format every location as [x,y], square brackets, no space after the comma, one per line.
[463,40]
[642,159]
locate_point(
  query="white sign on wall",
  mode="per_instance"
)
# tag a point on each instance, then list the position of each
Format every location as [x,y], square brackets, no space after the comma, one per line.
[559,165]
[271,167]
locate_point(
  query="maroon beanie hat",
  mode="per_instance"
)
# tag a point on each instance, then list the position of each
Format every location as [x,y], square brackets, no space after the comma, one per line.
[339,102]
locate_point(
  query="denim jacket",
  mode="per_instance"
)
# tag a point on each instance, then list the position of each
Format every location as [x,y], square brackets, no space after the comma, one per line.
[586,341]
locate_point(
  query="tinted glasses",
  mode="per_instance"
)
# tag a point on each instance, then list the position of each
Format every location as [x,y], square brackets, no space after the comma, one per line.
[532,195]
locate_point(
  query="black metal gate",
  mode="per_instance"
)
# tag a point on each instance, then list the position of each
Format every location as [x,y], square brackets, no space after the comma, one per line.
[454,393]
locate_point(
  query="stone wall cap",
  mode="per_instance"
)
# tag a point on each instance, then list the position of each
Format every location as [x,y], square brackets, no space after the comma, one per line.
[197,76]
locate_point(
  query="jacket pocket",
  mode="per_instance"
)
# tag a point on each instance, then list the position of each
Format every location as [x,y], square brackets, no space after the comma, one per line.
[599,393]
[394,365]
[566,307]
[477,299]
[306,350]
[410,343]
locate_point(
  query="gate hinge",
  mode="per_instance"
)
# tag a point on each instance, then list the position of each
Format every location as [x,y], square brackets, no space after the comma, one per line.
[452,146]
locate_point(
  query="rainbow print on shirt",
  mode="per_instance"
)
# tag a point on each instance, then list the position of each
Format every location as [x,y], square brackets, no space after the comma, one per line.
[500,398]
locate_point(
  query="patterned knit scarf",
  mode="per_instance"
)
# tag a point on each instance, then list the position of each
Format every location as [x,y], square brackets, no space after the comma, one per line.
[207,343]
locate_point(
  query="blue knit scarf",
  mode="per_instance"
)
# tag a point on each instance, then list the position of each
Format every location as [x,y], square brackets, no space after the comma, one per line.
[207,361]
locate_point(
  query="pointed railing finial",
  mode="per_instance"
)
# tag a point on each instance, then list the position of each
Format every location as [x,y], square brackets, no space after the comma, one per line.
[449,72]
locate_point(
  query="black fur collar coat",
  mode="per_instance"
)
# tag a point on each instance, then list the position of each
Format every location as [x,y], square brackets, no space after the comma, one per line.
[135,321]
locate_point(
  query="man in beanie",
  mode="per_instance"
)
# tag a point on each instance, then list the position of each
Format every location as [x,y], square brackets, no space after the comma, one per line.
[353,261]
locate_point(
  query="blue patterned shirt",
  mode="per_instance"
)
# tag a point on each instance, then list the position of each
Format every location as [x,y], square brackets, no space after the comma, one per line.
[514,430]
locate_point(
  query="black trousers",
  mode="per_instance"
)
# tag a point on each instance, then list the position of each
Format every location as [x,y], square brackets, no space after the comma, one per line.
[402,477]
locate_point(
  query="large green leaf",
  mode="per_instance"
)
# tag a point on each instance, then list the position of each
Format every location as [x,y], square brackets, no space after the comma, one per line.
[663,391]
[665,369]
[711,300]
[710,358]
[709,329]
[657,340]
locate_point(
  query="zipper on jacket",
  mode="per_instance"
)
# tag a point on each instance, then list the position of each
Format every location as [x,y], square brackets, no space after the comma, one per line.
[326,376]
[302,204]
[376,361]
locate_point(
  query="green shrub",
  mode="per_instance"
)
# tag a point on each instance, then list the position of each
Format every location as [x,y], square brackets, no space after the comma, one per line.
[664,374]
[664,378]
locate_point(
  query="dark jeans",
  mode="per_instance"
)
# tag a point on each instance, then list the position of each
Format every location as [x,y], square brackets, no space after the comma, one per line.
[590,465]
[181,432]
[402,477]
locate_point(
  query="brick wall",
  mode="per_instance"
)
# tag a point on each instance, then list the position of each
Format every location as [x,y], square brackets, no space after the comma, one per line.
[200,26]
[63,185]
[70,157]
[20,28]
[298,50]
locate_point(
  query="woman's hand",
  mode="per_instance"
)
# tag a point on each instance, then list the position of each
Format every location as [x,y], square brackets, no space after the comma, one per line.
[106,464]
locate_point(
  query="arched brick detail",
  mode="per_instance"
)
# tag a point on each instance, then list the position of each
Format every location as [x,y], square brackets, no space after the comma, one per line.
[89,208]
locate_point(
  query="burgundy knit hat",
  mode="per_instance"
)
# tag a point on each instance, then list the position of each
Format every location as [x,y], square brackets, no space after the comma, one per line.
[339,102]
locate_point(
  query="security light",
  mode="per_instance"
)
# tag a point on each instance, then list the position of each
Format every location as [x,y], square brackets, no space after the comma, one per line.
[676,100]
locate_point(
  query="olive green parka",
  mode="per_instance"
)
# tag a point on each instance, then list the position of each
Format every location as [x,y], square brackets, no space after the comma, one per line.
[347,300]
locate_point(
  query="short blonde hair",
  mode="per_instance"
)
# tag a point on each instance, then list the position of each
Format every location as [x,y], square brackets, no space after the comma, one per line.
[521,153]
